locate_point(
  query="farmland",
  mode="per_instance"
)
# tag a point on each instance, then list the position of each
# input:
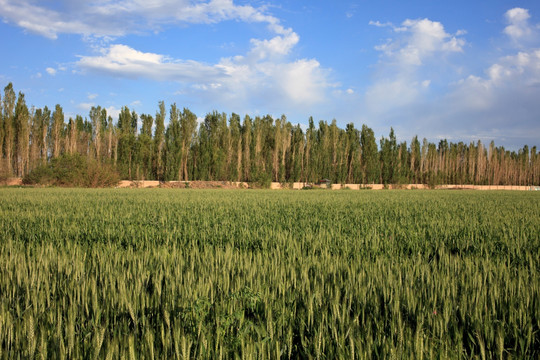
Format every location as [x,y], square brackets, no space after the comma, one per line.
[168,273]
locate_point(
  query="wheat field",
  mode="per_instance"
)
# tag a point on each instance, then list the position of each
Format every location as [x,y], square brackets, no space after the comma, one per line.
[259,274]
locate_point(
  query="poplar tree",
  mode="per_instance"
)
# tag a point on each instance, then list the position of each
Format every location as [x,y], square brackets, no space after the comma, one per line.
[22,135]
[173,144]
[309,174]
[246,144]
[95,117]
[415,160]
[370,162]
[145,139]
[352,153]
[188,128]
[159,143]
[235,140]
[56,130]
[1,137]
[9,113]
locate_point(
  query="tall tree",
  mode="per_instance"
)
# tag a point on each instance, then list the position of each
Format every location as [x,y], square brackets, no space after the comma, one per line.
[95,117]
[369,155]
[389,158]
[247,143]
[188,127]
[309,174]
[127,127]
[173,144]
[9,114]
[56,130]
[1,136]
[296,155]
[352,153]
[145,140]
[235,148]
[22,135]
[415,160]
[159,143]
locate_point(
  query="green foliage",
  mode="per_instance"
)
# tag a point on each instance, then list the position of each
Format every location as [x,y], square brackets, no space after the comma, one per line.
[42,175]
[164,273]
[261,180]
[72,171]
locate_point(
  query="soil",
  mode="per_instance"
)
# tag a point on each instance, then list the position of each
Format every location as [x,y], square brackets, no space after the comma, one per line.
[11,182]
[200,185]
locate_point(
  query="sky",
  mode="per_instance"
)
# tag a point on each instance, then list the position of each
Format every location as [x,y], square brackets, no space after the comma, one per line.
[455,70]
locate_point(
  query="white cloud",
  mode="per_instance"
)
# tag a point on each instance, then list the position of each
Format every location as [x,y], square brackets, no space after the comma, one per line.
[302,81]
[106,18]
[264,72]
[519,27]
[417,90]
[350,91]
[85,106]
[51,71]
[380,24]
[501,105]
[511,77]
[113,112]
[419,40]
[41,20]
[387,94]
[267,72]
[271,85]
[124,61]
[416,49]
[92,96]
[275,47]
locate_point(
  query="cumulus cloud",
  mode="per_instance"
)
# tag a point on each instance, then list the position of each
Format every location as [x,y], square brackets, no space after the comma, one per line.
[415,48]
[417,91]
[113,112]
[266,69]
[278,46]
[85,106]
[512,77]
[124,61]
[238,78]
[519,28]
[51,71]
[501,104]
[107,18]
[40,20]
[420,40]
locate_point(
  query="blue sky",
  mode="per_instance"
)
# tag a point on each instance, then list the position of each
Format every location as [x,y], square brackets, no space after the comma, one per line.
[460,70]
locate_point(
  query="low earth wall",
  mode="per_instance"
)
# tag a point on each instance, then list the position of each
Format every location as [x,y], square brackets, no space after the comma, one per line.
[300,185]
[297,185]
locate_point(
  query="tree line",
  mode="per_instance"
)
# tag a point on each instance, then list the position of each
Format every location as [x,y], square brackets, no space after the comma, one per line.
[260,149]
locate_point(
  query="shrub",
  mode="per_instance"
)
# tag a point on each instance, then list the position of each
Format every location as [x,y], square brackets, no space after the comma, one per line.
[262,180]
[42,175]
[73,171]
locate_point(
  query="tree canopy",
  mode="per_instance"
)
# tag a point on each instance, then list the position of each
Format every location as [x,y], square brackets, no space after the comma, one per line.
[261,149]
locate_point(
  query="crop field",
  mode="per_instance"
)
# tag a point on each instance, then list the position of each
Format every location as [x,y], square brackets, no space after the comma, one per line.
[255,274]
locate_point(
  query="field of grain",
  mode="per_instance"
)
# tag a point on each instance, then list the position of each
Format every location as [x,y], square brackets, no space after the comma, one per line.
[180,273]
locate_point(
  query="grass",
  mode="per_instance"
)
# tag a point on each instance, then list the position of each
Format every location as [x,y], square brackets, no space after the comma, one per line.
[164,273]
